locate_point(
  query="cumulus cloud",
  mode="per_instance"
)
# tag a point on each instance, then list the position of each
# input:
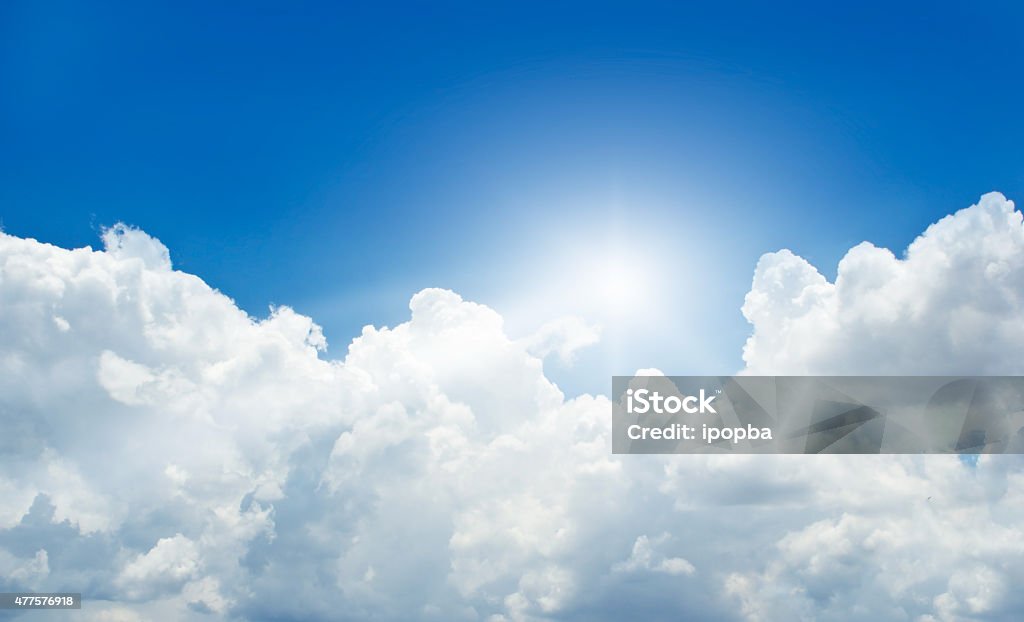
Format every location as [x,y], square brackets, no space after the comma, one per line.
[907,538]
[562,337]
[124,242]
[27,571]
[951,304]
[173,458]
[645,557]
[182,459]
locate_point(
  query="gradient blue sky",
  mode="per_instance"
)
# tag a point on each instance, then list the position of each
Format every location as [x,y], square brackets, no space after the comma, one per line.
[338,157]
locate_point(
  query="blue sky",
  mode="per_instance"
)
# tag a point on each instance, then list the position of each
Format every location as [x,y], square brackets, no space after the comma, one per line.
[631,166]
[339,157]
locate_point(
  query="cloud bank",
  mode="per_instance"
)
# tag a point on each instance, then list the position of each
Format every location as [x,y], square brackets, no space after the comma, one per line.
[952,304]
[173,458]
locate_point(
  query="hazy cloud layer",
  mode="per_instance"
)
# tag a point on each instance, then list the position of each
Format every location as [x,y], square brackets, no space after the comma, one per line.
[176,459]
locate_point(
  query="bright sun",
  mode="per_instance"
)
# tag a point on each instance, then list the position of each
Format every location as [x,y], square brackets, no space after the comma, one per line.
[617,284]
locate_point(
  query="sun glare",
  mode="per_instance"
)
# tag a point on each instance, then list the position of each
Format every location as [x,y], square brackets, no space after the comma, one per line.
[617,285]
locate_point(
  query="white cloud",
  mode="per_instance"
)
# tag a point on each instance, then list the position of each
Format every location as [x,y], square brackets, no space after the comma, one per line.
[562,337]
[900,537]
[170,563]
[645,557]
[29,571]
[128,243]
[951,304]
[182,460]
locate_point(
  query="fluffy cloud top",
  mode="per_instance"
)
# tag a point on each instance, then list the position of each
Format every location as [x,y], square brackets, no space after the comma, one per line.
[173,458]
[952,304]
